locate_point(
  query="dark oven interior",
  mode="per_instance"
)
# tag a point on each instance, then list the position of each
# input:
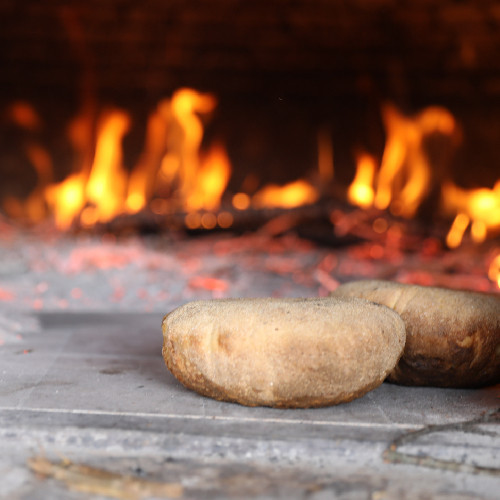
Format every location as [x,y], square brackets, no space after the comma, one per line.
[289,90]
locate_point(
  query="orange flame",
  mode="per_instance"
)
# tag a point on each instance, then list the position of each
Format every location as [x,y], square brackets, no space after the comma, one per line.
[67,199]
[143,177]
[172,154]
[404,175]
[210,182]
[99,196]
[403,179]
[185,106]
[361,191]
[106,184]
[479,207]
[291,195]
[172,174]
[101,188]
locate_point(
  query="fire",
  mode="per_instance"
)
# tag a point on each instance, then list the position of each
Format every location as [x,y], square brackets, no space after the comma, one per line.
[172,156]
[67,199]
[211,180]
[101,188]
[404,162]
[296,193]
[99,196]
[479,208]
[291,195]
[143,177]
[404,176]
[361,190]
[106,184]
[171,175]
[175,174]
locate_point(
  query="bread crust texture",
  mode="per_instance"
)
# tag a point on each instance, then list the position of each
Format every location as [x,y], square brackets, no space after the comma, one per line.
[287,353]
[453,336]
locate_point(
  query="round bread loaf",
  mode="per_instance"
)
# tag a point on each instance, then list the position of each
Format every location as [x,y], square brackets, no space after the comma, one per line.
[453,337]
[282,352]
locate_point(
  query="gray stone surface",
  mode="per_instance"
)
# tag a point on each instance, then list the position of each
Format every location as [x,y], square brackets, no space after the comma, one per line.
[93,389]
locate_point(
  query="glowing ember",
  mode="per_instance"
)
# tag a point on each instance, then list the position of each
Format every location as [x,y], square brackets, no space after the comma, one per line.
[6,295]
[209,283]
[241,201]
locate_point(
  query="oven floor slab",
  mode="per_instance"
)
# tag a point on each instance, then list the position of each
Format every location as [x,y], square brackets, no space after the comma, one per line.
[90,393]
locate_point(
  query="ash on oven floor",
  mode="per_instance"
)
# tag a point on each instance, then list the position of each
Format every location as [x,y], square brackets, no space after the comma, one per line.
[87,406]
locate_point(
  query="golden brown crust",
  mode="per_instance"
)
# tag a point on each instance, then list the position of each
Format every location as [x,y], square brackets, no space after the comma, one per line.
[282,352]
[453,337]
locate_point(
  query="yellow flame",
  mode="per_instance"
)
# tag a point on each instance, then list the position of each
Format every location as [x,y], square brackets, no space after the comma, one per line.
[67,199]
[404,162]
[104,187]
[185,106]
[404,176]
[142,179]
[481,206]
[106,181]
[290,195]
[171,171]
[210,182]
[457,230]
[361,191]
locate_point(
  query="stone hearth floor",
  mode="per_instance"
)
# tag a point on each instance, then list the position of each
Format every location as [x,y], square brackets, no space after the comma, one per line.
[87,406]
[83,393]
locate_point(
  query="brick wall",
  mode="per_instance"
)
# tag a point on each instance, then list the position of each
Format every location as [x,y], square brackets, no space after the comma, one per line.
[415,49]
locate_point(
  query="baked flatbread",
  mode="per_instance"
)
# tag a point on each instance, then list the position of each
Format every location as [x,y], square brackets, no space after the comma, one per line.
[453,337]
[282,352]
